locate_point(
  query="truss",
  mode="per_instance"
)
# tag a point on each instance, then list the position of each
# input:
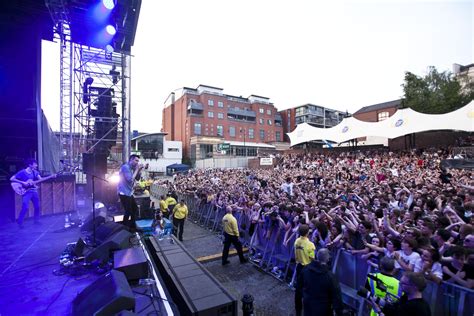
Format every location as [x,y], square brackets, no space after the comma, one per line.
[111,75]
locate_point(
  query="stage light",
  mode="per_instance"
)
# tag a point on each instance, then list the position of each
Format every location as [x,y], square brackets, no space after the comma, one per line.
[115,178]
[109,49]
[109,4]
[111,30]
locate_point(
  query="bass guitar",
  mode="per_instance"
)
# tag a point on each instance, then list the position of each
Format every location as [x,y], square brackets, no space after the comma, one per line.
[21,188]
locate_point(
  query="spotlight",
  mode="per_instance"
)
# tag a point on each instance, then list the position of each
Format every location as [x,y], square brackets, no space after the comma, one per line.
[108,4]
[109,49]
[111,30]
[115,178]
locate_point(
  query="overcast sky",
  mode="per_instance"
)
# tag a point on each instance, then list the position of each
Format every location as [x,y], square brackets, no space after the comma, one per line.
[339,54]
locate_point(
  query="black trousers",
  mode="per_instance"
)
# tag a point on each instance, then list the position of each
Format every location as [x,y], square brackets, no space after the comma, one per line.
[131,210]
[178,224]
[234,240]
[299,290]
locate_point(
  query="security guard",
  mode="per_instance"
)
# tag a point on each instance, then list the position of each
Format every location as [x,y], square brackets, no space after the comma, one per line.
[164,206]
[170,202]
[304,254]
[389,284]
[231,236]
[180,213]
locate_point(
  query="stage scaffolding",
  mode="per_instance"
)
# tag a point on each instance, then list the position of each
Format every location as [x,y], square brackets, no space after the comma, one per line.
[79,117]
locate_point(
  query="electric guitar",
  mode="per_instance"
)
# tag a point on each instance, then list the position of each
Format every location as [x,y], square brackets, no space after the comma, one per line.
[21,189]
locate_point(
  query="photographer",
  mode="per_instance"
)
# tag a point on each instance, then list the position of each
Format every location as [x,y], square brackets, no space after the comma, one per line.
[412,302]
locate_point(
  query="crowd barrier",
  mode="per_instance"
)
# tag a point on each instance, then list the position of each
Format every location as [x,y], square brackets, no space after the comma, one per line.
[271,255]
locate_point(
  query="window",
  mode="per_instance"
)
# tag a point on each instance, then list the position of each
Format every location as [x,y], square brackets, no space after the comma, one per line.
[261,121]
[173,149]
[382,116]
[231,131]
[220,104]
[251,133]
[269,112]
[269,122]
[210,102]
[262,134]
[261,110]
[220,130]
[197,128]
[210,114]
[277,136]
[220,115]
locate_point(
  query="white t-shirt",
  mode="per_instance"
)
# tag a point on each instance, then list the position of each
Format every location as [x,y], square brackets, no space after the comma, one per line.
[411,259]
[288,187]
[436,268]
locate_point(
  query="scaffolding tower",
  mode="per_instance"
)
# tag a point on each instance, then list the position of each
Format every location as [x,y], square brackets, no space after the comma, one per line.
[89,78]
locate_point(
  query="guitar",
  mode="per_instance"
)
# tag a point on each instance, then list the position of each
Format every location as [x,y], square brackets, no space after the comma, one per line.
[21,189]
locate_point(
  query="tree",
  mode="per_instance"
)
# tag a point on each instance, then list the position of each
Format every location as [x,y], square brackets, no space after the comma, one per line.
[437,92]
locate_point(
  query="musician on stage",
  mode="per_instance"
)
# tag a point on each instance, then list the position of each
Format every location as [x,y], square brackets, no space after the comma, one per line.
[129,172]
[26,177]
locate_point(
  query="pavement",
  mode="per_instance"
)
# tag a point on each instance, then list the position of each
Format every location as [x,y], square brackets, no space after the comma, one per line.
[271,296]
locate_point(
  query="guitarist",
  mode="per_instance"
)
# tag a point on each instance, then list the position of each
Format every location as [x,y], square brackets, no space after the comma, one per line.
[25,177]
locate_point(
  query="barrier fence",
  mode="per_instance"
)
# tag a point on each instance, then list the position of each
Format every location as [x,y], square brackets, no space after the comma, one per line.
[269,253]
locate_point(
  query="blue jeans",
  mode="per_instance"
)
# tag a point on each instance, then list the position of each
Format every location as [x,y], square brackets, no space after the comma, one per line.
[27,197]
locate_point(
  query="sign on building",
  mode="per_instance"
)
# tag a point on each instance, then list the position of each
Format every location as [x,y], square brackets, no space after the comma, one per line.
[266,161]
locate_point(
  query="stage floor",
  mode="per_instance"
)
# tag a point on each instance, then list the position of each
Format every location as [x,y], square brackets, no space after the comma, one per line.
[31,284]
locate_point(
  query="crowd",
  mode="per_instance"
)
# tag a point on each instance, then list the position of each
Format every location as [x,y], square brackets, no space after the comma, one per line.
[374,204]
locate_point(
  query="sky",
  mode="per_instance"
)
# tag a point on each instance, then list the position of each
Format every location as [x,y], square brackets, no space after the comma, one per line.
[339,54]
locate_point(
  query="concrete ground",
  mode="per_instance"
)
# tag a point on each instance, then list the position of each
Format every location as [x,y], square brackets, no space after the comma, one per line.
[271,297]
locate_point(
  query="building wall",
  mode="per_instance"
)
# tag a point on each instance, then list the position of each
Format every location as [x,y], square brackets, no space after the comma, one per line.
[184,122]
[373,115]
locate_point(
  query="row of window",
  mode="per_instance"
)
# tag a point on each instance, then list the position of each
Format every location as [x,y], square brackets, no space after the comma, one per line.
[220,104]
[220,116]
[220,132]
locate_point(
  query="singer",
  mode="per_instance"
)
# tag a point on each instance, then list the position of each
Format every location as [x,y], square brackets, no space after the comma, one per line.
[129,173]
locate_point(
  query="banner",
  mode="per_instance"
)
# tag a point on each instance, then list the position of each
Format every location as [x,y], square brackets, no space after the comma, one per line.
[266,161]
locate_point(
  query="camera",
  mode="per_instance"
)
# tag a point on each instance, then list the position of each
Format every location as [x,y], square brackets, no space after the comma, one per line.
[363,292]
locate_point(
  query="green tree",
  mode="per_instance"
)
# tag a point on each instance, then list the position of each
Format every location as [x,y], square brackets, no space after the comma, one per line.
[437,92]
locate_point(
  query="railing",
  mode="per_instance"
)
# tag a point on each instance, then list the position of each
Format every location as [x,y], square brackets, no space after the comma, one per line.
[270,254]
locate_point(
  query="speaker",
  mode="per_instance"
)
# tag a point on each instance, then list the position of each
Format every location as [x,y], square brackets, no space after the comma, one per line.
[94,164]
[108,295]
[88,224]
[132,262]
[107,229]
[119,240]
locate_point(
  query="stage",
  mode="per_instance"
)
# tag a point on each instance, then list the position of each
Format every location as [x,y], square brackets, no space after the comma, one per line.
[33,285]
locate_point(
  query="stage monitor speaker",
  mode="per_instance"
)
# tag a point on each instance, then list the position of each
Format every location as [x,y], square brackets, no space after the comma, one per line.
[108,295]
[102,253]
[107,229]
[132,262]
[94,164]
[88,224]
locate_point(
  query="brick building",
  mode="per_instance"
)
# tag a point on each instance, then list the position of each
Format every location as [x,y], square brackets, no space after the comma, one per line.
[378,112]
[204,117]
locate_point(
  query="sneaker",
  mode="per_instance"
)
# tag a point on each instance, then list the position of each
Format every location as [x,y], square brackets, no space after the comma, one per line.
[225,262]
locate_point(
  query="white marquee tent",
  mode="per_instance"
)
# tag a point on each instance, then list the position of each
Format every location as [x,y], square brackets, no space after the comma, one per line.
[403,122]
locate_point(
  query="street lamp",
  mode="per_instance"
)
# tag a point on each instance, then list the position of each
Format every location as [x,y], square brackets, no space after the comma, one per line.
[245,132]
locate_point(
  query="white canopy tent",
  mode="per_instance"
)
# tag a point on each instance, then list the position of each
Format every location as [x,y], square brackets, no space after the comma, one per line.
[403,122]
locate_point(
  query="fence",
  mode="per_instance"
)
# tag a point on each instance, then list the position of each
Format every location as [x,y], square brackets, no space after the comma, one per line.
[270,254]
[222,163]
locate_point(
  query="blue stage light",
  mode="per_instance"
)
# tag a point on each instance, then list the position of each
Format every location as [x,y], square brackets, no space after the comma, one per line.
[109,4]
[111,30]
[109,49]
